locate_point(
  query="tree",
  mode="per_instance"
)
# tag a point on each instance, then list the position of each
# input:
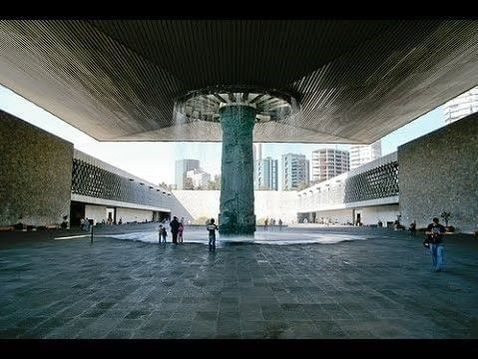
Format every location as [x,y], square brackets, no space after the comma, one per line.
[164,185]
[215,184]
[446,216]
[188,183]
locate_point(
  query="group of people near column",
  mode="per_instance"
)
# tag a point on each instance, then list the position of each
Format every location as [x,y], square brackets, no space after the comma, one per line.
[85,224]
[177,230]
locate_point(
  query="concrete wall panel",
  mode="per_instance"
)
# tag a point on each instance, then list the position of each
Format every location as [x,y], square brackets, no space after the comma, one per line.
[35,174]
[439,172]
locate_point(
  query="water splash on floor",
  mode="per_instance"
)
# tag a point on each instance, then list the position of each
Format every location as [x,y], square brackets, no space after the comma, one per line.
[270,238]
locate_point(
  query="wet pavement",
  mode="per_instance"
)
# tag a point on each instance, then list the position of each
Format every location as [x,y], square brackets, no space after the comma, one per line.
[356,283]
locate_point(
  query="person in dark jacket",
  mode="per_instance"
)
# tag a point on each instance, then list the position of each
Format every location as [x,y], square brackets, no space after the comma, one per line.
[434,239]
[174,229]
[413,229]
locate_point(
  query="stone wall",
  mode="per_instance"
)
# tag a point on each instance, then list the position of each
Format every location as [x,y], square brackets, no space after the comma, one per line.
[35,174]
[439,172]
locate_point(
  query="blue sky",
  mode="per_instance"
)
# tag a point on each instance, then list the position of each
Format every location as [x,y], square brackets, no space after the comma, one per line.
[154,161]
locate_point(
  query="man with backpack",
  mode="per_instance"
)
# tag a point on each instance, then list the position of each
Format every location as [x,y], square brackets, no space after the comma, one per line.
[434,241]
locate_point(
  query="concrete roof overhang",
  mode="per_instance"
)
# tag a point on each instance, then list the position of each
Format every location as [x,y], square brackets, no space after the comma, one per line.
[356,80]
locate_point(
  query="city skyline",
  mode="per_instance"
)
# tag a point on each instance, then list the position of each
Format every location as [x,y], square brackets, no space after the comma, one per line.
[155,161]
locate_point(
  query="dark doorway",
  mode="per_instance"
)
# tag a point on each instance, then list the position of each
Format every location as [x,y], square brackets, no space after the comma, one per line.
[111,215]
[359,220]
[77,212]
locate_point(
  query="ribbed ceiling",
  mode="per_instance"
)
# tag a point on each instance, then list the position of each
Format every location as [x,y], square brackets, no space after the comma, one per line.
[356,80]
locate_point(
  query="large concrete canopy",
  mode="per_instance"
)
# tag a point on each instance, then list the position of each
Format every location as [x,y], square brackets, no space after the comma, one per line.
[355,80]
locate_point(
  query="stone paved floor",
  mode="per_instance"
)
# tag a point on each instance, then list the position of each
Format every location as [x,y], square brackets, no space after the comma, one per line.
[376,288]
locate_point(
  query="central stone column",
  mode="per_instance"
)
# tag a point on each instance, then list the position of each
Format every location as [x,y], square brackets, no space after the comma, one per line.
[237,183]
[238,109]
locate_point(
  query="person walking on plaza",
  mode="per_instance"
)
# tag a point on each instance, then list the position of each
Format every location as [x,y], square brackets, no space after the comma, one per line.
[280,224]
[174,229]
[266,221]
[434,239]
[180,232]
[212,228]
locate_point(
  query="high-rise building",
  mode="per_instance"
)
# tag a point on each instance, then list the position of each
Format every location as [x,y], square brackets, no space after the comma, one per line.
[362,154]
[266,174]
[200,179]
[461,106]
[295,171]
[182,167]
[328,163]
[257,151]
[256,156]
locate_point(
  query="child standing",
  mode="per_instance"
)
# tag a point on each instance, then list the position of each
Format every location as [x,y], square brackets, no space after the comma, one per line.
[162,233]
[212,228]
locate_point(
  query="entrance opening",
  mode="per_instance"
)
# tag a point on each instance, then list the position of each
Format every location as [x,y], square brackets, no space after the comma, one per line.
[77,212]
[111,215]
[359,219]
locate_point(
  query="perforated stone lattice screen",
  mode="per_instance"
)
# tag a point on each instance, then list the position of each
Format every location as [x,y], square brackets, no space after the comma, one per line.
[379,182]
[93,181]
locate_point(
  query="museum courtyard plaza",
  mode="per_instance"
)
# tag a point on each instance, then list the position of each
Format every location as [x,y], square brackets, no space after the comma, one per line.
[376,284]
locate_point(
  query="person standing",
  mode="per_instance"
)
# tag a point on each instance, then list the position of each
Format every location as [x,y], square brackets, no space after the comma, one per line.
[162,233]
[280,224]
[180,232]
[434,238]
[174,229]
[212,228]
[413,229]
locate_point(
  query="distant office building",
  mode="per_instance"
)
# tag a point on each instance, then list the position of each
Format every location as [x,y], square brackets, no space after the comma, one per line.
[267,174]
[328,163]
[461,106]
[256,156]
[362,154]
[295,171]
[200,179]
[182,167]
[257,152]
